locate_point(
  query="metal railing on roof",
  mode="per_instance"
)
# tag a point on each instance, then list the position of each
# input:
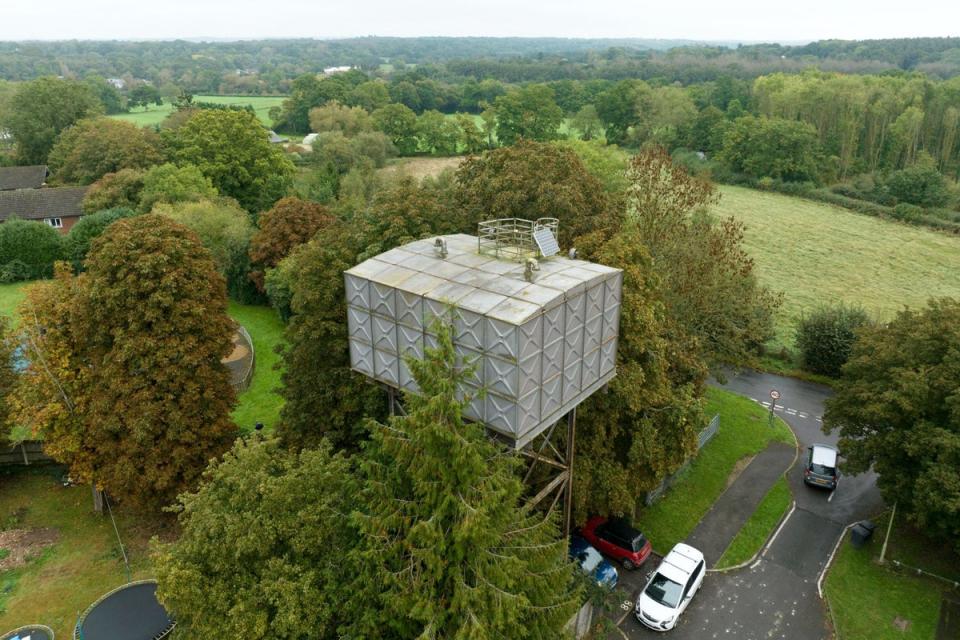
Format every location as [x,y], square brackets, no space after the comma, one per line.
[515,238]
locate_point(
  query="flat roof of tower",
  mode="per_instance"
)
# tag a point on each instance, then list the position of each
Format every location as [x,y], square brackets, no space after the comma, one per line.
[494,287]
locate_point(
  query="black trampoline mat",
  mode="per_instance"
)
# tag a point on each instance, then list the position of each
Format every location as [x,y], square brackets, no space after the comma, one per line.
[132,613]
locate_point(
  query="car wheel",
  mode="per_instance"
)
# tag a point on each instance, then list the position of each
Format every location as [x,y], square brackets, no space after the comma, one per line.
[628,565]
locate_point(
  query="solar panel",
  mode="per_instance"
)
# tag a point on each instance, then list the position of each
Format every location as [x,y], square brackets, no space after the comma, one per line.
[546,242]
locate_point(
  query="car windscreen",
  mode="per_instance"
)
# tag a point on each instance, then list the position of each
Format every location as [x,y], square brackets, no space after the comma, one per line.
[822,470]
[664,590]
[636,544]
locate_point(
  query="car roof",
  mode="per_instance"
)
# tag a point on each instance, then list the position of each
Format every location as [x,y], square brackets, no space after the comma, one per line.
[823,454]
[621,528]
[680,562]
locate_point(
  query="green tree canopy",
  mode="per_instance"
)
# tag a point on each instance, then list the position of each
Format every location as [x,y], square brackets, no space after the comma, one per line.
[87,229]
[400,124]
[28,249]
[94,147]
[168,183]
[125,382]
[41,109]
[333,116]
[277,567]
[447,547]
[896,408]
[530,113]
[772,147]
[114,190]
[233,150]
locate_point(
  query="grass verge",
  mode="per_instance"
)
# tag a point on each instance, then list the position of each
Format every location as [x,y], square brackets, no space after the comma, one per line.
[744,431]
[84,563]
[866,597]
[260,402]
[10,297]
[758,528]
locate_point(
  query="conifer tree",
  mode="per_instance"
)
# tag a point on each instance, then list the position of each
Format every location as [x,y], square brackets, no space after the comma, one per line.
[448,550]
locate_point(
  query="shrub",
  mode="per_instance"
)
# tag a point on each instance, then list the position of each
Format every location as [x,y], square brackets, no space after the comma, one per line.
[908,213]
[920,184]
[28,249]
[825,337]
[170,183]
[89,227]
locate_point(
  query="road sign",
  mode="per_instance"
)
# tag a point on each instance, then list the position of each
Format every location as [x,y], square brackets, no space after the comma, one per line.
[774,394]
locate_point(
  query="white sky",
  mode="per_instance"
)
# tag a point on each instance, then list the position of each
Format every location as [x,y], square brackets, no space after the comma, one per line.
[747,20]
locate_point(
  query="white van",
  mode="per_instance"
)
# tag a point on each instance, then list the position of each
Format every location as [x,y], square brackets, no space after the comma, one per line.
[671,588]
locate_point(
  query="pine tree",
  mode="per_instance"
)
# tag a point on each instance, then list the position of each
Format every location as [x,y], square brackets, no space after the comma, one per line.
[448,548]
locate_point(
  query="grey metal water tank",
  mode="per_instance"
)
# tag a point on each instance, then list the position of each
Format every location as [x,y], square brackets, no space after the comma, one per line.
[539,348]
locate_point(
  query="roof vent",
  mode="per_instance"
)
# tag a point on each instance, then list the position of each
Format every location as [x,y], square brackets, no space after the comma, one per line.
[518,239]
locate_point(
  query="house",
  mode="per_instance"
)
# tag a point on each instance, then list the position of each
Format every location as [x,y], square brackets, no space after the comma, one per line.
[23,177]
[60,207]
[332,71]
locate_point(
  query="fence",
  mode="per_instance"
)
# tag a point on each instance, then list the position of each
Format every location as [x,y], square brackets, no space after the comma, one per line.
[27,452]
[702,439]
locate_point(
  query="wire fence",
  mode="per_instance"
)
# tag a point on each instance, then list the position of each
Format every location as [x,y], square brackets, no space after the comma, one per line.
[702,439]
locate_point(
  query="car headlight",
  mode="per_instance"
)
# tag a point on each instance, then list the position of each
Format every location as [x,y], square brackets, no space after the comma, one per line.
[669,621]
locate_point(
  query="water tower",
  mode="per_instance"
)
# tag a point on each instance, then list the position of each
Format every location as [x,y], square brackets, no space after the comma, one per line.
[541,330]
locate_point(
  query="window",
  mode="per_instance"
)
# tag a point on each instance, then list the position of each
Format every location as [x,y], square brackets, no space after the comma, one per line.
[693,579]
[56,223]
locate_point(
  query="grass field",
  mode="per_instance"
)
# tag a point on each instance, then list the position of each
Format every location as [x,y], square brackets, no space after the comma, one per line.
[758,528]
[260,402]
[817,253]
[866,597]
[155,115]
[10,297]
[85,561]
[744,432]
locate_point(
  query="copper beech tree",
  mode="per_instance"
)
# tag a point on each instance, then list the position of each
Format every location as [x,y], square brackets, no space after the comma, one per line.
[125,382]
[290,223]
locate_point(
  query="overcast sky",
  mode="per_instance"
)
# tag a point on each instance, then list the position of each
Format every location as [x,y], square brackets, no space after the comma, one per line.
[749,20]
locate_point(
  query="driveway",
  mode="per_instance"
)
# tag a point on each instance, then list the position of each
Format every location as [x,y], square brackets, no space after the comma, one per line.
[776,597]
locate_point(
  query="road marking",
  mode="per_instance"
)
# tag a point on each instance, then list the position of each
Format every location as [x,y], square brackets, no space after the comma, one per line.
[776,533]
[832,493]
[792,412]
[826,567]
[754,565]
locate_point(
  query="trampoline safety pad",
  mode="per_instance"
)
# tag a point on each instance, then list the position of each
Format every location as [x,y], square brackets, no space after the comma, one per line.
[30,632]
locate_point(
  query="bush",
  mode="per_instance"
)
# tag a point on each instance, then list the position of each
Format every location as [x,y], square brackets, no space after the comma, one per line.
[908,213]
[920,184]
[825,337]
[28,249]
[77,242]
[169,183]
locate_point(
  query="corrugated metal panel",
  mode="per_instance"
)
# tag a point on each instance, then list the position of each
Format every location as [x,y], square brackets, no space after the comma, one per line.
[501,338]
[500,413]
[611,322]
[386,367]
[592,332]
[410,309]
[553,326]
[552,359]
[410,341]
[384,334]
[551,396]
[358,324]
[502,377]
[468,329]
[530,338]
[530,374]
[357,291]
[383,299]
[591,367]
[571,379]
[608,357]
[528,411]
[594,301]
[361,357]
[472,363]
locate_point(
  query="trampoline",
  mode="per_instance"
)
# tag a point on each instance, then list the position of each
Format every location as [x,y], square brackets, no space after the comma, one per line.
[29,632]
[130,612]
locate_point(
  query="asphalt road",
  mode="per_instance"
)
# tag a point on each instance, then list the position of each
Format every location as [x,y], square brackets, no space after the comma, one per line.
[776,597]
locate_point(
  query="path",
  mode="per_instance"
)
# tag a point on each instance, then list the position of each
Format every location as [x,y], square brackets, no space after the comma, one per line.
[776,597]
[734,507]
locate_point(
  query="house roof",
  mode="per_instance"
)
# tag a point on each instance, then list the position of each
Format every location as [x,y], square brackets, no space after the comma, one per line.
[23,177]
[38,204]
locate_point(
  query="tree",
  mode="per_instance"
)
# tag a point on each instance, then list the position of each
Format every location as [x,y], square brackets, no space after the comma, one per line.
[529,113]
[125,382]
[225,230]
[400,124]
[896,409]
[437,134]
[8,376]
[143,95]
[826,336]
[86,230]
[108,95]
[94,147]
[369,96]
[335,117]
[920,184]
[41,109]
[447,548]
[290,223]
[232,149]
[471,138]
[772,147]
[278,570]
[168,183]
[533,180]
[710,287]
[619,108]
[323,398]
[114,190]
[28,249]
[587,122]
[606,162]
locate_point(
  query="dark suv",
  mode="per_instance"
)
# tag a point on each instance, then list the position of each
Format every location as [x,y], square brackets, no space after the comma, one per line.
[821,468]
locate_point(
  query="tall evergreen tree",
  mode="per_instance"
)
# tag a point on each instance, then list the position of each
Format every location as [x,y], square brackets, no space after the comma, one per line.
[449,550]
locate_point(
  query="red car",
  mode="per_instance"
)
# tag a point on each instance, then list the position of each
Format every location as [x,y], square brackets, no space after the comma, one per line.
[617,539]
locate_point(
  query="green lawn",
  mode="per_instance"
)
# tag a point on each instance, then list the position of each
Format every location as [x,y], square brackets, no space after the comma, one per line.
[758,528]
[155,115]
[10,297]
[260,402]
[817,253]
[744,431]
[866,597]
[81,566]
